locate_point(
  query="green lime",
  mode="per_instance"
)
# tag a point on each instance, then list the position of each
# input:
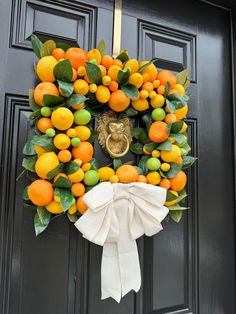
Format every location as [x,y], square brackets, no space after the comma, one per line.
[153,163]
[158,114]
[50,132]
[45,111]
[82,116]
[91,177]
[183,151]
[75,141]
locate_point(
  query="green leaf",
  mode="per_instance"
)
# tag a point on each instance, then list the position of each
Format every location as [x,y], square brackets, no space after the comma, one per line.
[188,161]
[162,173]
[63,71]
[51,174]
[66,88]
[182,195]
[136,148]
[182,76]
[131,112]
[94,113]
[25,195]
[29,163]
[66,199]
[72,218]
[41,220]
[94,73]
[29,148]
[177,126]
[123,76]
[140,170]
[170,196]
[140,134]
[116,163]
[94,164]
[93,136]
[179,138]
[123,56]
[62,182]
[44,142]
[170,106]
[178,98]
[47,48]
[174,170]
[176,207]
[101,47]
[176,215]
[143,163]
[187,148]
[35,114]
[149,147]
[63,46]
[186,84]
[32,103]
[130,91]
[147,120]
[75,99]
[36,44]
[147,64]
[167,89]
[71,167]
[52,100]
[30,206]
[165,145]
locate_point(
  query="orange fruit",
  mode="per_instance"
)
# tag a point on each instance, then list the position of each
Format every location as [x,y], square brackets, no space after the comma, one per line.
[43,124]
[113,72]
[151,70]
[143,94]
[179,160]
[174,201]
[113,86]
[84,152]
[156,83]
[142,178]
[103,69]
[118,101]
[158,132]
[180,89]
[61,174]
[78,189]
[157,101]
[54,208]
[133,64]
[40,192]
[86,167]
[81,87]
[118,62]
[83,132]
[81,206]
[105,173]
[166,76]
[172,91]
[140,104]
[81,71]
[148,86]
[127,173]
[102,94]
[181,112]
[64,155]
[161,89]
[44,69]
[178,182]
[94,54]
[42,89]
[107,61]
[58,53]
[153,177]
[45,163]
[62,118]
[77,57]
[170,118]
[136,79]
[165,183]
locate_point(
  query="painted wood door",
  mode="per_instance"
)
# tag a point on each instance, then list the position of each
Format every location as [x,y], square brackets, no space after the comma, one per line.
[188,267]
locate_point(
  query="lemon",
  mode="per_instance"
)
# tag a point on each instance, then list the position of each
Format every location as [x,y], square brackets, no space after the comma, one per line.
[61,141]
[76,176]
[140,104]
[102,94]
[45,163]
[136,79]
[171,156]
[44,69]
[81,87]
[62,118]
[54,208]
[174,201]
[157,101]
[39,150]
[133,64]
[105,173]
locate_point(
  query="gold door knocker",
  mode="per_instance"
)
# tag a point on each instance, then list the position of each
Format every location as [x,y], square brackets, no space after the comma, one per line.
[114,135]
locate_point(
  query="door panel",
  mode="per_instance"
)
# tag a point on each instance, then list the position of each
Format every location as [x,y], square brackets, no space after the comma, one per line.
[188,267]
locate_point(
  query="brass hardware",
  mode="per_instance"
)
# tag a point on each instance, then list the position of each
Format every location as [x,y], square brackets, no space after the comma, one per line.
[117,28]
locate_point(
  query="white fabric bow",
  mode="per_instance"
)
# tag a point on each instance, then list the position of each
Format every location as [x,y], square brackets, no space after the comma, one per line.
[117,215]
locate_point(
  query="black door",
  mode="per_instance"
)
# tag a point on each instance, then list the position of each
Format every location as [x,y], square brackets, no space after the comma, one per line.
[187,268]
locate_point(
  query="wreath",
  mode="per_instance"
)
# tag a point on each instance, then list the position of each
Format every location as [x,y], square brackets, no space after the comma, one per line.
[79,90]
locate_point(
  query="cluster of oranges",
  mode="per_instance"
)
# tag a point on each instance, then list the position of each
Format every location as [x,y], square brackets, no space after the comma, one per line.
[68,127]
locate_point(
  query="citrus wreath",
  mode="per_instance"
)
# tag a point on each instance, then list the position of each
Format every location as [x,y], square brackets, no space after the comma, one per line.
[74,89]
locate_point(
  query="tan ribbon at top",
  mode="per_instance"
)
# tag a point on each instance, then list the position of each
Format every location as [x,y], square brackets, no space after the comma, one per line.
[117,28]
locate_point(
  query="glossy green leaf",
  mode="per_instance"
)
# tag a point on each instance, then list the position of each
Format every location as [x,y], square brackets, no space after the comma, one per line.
[187,148]
[75,99]
[176,207]
[72,218]
[170,196]
[182,76]
[130,91]
[63,46]
[63,71]
[170,106]
[140,170]
[174,170]
[30,207]
[176,215]
[143,163]
[116,163]
[66,199]
[25,195]
[123,76]
[66,88]
[187,83]
[131,112]
[140,134]
[177,126]
[47,48]
[44,142]
[28,149]
[29,163]
[136,148]
[147,120]
[62,182]
[94,73]
[101,47]
[52,100]
[188,161]
[71,167]
[179,138]
[36,44]
[149,147]
[35,114]
[41,220]
[32,103]
[93,136]
[94,164]
[167,89]
[182,196]
[55,171]
[123,56]
[176,97]
[147,65]
[165,145]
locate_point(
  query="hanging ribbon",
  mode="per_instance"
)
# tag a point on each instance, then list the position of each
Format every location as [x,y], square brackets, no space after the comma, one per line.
[117,28]
[117,215]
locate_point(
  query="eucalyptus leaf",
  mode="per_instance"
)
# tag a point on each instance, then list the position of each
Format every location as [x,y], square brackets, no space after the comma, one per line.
[63,71]
[188,161]
[140,134]
[29,163]
[116,163]
[32,103]
[101,47]
[75,99]
[130,91]
[66,199]
[123,76]
[136,148]
[66,88]
[94,73]
[123,56]
[52,100]
[47,48]
[36,44]
[176,215]
[51,174]
[165,145]
[71,167]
